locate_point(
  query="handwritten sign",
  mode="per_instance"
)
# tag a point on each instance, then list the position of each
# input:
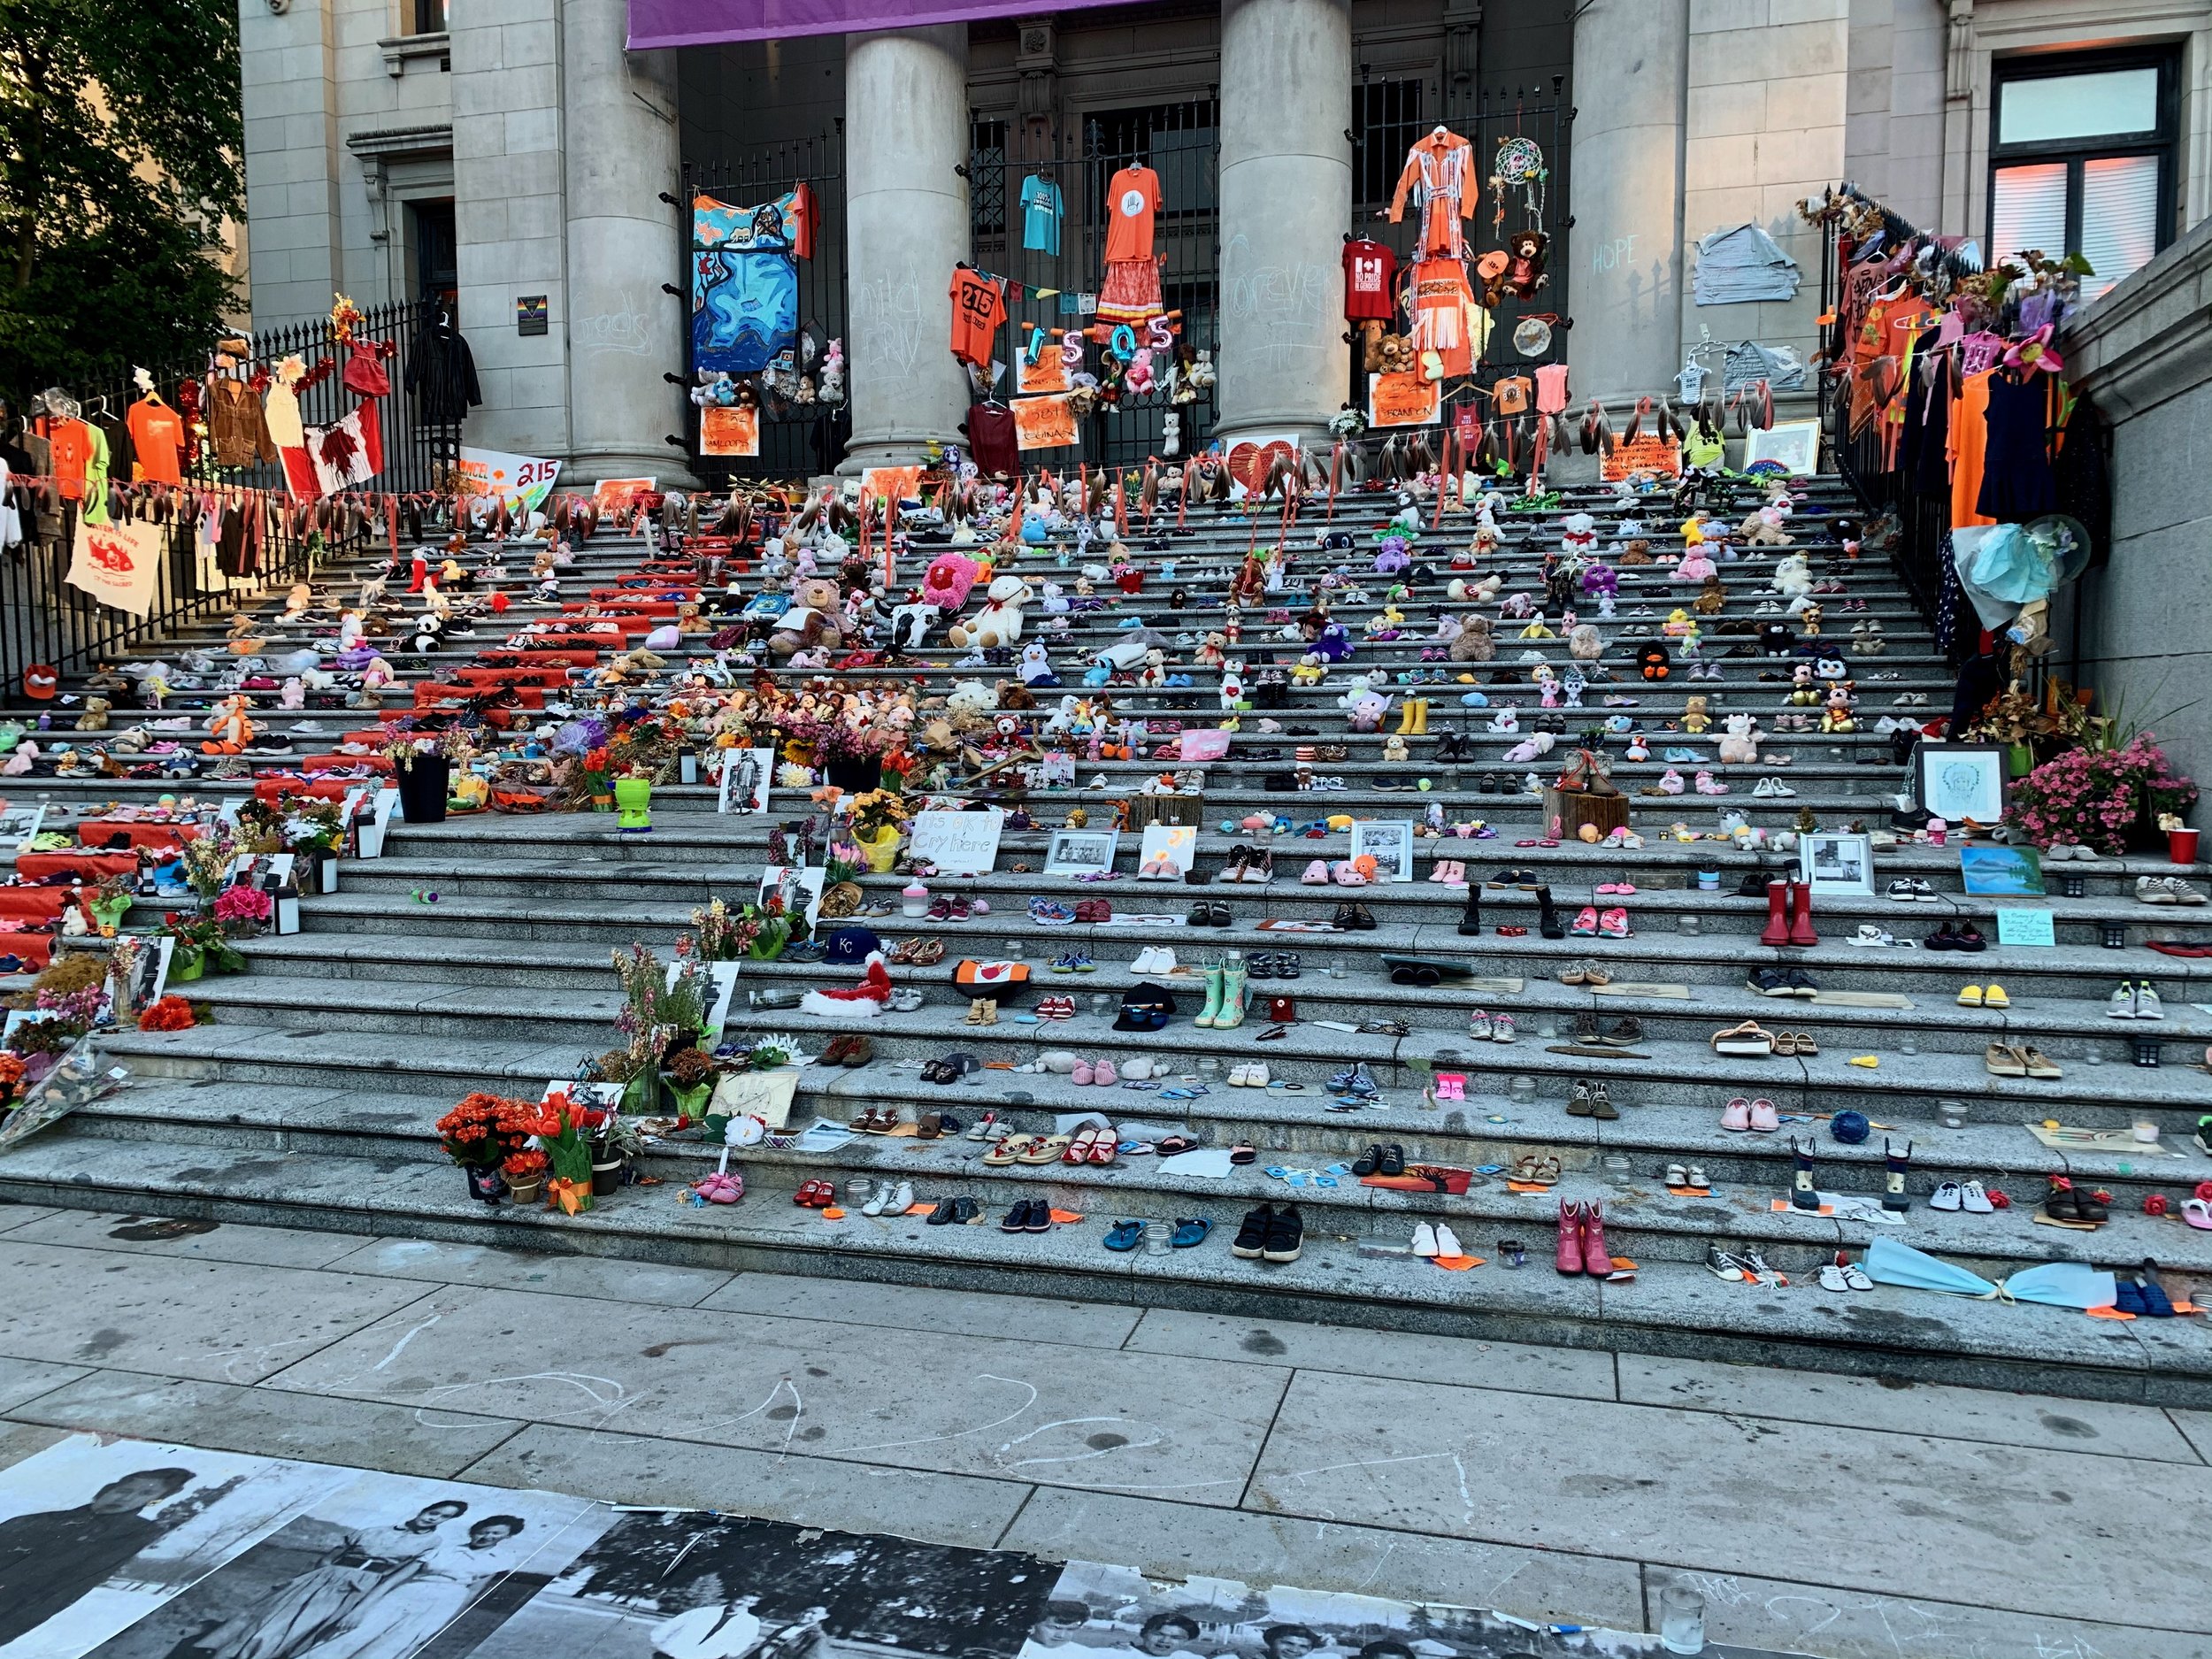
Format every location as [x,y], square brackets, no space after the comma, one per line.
[1403,399]
[1649,453]
[732,429]
[1047,374]
[2021,926]
[957,843]
[1044,423]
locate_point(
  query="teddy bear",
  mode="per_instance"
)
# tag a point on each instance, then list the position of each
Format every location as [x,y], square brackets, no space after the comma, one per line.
[1000,621]
[1579,535]
[1696,720]
[971,697]
[1474,643]
[1312,669]
[1394,355]
[1212,649]
[1638,551]
[1792,576]
[1764,528]
[94,718]
[813,622]
[1713,598]
[1155,670]
[1740,746]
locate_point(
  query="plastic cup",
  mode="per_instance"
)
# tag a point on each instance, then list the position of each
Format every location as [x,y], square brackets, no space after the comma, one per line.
[2181,846]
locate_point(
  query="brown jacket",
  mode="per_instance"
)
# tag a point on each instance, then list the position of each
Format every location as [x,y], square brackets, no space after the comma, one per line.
[235,421]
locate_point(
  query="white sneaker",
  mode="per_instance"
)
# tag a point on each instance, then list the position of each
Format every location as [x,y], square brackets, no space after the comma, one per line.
[1832,1279]
[1780,791]
[1949,1195]
[1425,1240]
[902,1200]
[2153,890]
[1976,1198]
[2146,1003]
[2121,1003]
[1763,790]
[1447,1241]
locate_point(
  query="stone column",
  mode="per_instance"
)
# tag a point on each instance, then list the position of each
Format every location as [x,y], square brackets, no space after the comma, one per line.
[619,156]
[1286,203]
[1630,74]
[906,227]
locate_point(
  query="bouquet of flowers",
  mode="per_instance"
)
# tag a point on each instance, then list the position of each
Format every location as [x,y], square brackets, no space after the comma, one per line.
[483,1128]
[718,934]
[524,1172]
[207,861]
[202,941]
[2095,797]
[241,909]
[878,809]
[170,1013]
[565,1133]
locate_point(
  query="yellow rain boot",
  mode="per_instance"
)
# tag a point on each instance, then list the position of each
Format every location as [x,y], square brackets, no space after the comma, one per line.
[1419,708]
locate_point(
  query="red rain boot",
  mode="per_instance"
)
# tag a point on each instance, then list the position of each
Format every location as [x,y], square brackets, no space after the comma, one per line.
[1801,914]
[1570,1237]
[1595,1262]
[1778,931]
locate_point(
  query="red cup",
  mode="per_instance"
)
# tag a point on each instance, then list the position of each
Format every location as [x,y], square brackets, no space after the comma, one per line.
[2181,846]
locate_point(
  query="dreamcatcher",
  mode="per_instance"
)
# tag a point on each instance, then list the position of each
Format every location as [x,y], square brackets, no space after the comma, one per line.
[1519,165]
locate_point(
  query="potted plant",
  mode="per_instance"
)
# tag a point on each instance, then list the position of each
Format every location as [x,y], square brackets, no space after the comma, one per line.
[423,768]
[2108,798]
[478,1133]
[201,943]
[689,1078]
[111,903]
[879,819]
[594,781]
[243,910]
[718,934]
[524,1172]
[616,1143]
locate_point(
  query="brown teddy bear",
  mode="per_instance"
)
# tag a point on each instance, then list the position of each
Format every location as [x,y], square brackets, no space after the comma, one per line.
[1395,355]
[812,621]
[1712,598]
[94,718]
[1696,720]
[1637,552]
[1474,643]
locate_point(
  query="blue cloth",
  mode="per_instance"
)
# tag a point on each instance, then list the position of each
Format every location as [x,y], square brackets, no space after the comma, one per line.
[744,285]
[1040,215]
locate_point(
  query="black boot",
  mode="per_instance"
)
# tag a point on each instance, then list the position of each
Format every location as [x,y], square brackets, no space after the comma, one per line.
[1548,922]
[1471,918]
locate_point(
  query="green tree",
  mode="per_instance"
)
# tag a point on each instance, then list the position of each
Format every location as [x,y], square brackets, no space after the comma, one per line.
[119,139]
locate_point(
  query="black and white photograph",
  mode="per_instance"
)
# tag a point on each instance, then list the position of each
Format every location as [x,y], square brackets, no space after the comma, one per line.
[19,823]
[93,1537]
[384,1567]
[1390,842]
[1081,852]
[798,887]
[1837,863]
[747,774]
[692,1586]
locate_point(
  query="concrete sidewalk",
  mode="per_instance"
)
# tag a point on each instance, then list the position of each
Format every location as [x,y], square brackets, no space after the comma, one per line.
[1832,1515]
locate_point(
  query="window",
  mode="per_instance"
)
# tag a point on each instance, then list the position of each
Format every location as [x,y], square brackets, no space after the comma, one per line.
[1387,118]
[437,263]
[429,16]
[1178,141]
[2082,159]
[986,178]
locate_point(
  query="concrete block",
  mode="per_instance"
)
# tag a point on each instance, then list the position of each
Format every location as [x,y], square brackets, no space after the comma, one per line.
[1814,152]
[532,130]
[22,1380]
[1713,162]
[1713,17]
[1808,100]
[1768,54]
[1715,114]
[1785,12]
[521,44]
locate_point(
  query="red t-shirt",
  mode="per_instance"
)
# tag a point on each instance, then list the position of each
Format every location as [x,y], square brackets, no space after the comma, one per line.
[1370,268]
[1131,199]
[991,441]
[977,311]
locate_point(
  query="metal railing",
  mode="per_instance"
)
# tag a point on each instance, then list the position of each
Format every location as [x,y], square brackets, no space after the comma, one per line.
[44,619]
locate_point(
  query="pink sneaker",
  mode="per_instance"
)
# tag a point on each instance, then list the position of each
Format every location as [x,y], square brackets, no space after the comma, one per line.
[1585,923]
[1736,1115]
[1764,1118]
[1613,923]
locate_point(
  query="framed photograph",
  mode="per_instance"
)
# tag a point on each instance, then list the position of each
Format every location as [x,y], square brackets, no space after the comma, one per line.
[1082,852]
[747,776]
[1794,446]
[2002,872]
[1390,842]
[1837,863]
[799,888]
[1962,780]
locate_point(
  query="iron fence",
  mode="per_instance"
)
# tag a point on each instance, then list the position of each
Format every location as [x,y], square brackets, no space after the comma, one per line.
[43,619]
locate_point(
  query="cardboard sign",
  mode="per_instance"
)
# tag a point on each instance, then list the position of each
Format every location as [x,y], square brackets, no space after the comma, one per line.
[729,430]
[613,495]
[517,481]
[1650,453]
[957,843]
[1047,373]
[1403,399]
[1044,423]
[894,484]
[2026,928]
[117,563]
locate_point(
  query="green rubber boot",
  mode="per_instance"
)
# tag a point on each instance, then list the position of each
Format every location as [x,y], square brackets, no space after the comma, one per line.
[1211,1011]
[1232,1010]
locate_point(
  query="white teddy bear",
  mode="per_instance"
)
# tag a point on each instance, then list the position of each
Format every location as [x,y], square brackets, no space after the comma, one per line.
[1740,746]
[1000,621]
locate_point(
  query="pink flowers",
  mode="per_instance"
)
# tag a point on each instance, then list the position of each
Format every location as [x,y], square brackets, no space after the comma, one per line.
[234,905]
[2094,798]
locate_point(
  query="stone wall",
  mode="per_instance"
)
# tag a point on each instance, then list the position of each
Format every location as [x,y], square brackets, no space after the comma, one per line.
[2142,357]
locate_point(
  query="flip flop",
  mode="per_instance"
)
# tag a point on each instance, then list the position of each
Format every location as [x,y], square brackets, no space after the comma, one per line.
[1190,1233]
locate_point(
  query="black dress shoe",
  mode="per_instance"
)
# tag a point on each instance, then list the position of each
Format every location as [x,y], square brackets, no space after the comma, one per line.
[943,1215]
[1017,1219]
[1368,1161]
[1251,1240]
[964,1211]
[1039,1217]
[1394,1160]
[1285,1235]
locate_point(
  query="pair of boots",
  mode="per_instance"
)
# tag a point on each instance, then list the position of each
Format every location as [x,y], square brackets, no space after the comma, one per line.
[1413,717]
[1547,914]
[1789,914]
[1224,995]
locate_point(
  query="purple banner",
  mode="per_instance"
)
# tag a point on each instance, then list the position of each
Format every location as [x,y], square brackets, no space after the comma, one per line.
[707,22]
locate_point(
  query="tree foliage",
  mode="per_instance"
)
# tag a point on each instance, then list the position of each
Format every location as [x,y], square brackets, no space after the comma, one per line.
[119,142]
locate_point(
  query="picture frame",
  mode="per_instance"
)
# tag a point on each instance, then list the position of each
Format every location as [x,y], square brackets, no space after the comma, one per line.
[1792,445]
[1835,863]
[800,885]
[1390,842]
[1957,781]
[1082,852]
[1994,870]
[747,775]
[1167,852]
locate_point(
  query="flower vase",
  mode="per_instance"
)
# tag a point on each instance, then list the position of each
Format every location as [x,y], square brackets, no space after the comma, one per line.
[691,1103]
[485,1182]
[634,797]
[881,850]
[526,1192]
[2019,759]
[640,1095]
[605,1178]
[187,964]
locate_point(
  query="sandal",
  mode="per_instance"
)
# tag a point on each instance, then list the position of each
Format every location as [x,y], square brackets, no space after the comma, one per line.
[1009,1150]
[1043,1149]
[1750,1038]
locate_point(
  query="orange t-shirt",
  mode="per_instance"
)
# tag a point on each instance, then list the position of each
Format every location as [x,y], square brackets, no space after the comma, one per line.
[72,441]
[156,438]
[1969,444]
[1132,198]
[978,309]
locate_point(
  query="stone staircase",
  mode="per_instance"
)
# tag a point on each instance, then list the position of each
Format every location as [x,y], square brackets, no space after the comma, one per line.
[308,1102]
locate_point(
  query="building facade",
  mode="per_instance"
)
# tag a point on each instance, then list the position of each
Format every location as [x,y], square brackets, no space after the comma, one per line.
[513,156]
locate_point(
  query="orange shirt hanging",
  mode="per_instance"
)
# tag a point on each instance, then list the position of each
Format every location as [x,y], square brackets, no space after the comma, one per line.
[978,308]
[1969,445]
[1132,198]
[157,439]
